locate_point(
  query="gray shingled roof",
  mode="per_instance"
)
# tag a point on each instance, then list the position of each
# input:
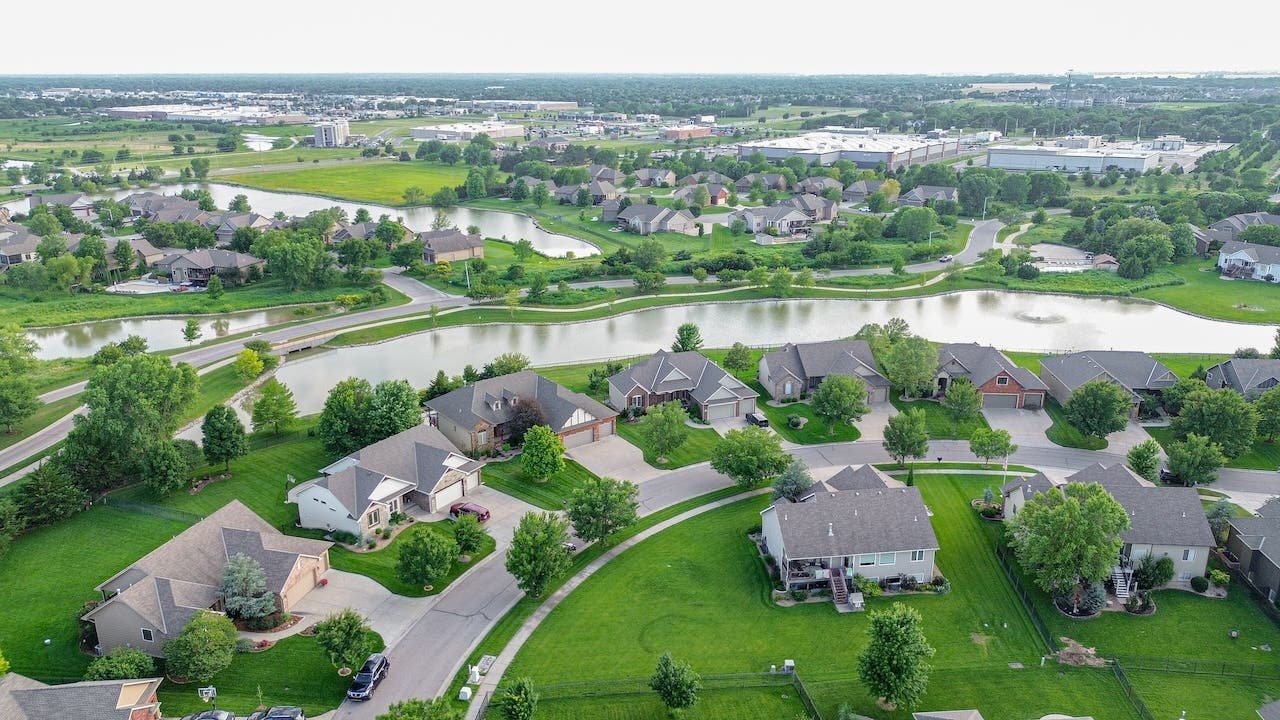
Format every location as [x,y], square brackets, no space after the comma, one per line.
[855,521]
[1163,516]
[1270,711]
[212,259]
[822,359]
[818,183]
[1037,483]
[862,477]
[931,192]
[983,362]
[1133,370]
[667,372]
[450,240]
[421,456]
[1244,374]
[473,403]
[22,698]
[1268,254]
[1108,477]
[16,239]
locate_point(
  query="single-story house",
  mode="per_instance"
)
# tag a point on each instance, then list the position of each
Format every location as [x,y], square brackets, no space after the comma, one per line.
[1103,261]
[149,602]
[359,493]
[181,213]
[1229,228]
[609,210]
[654,177]
[1248,376]
[861,477]
[1250,261]
[1255,543]
[530,181]
[450,245]
[686,377]
[79,204]
[359,231]
[799,368]
[224,226]
[17,244]
[606,174]
[477,416]
[198,266]
[716,194]
[706,176]
[1015,493]
[1136,372]
[770,181]
[601,190]
[145,204]
[555,143]
[144,253]
[858,191]
[1001,383]
[880,533]
[815,207]
[22,698]
[818,184]
[783,218]
[645,219]
[923,195]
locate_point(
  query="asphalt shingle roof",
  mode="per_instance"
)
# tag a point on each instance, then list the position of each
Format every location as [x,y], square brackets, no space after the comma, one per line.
[450,240]
[22,698]
[1244,374]
[667,372]
[822,359]
[1133,370]
[855,522]
[473,403]
[982,362]
[1267,254]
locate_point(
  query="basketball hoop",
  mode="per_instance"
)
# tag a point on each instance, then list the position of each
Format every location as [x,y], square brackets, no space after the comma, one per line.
[207,694]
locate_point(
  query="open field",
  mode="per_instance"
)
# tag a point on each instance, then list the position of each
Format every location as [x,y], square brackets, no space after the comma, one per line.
[1204,293]
[381,182]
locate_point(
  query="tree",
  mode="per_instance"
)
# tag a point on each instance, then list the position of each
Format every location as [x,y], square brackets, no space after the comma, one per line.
[204,648]
[1222,415]
[122,663]
[894,665]
[543,453]
[243,591]
[343,421]
[512,301]
[1173,397]
[540,194]
[344,637]
[839,399]
[425,557]
[165,468]
[749,456]
[1267,407]
[17,350]
[444,197]
[738,357]
[124,256]
[393,408]
[664,428]
[962,402]
[1098,408]
[537,554]
[648,282]
[676,683]
[273,407]
[975,190]
[582,198]
[1069,538]
[1144,459]
[18,401]
[519,190]
[223,436]
[910,364]
[240,204]
[48,496]
[648,254]
[214,290]
[416,709]
[248,364]
[191,330]
[991,443]
[602,506]
[906,435]
[403,254]
[518,700]
[1219,516]
[468,533]
[523,249]
[528,413]
[914,223]
[688,338]
[507,363]
[1195,460]
[792,482]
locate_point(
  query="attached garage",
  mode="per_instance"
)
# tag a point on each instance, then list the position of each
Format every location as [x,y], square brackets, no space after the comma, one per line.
[577,439]
[447,496]
[878,395]
[606,428]
[996,400]
[723,411]
[746,405]
[1033,401]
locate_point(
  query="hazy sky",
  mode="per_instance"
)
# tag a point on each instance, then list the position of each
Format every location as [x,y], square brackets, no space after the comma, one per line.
[659,36]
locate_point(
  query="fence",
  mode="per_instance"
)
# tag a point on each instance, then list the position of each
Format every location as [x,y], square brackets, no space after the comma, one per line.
[1045,636]
[1201,667]
[149,509]
[809,706]
[640,686]
[1134,698]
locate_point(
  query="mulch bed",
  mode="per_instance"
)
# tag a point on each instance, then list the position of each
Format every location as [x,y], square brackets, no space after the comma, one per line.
[198,485]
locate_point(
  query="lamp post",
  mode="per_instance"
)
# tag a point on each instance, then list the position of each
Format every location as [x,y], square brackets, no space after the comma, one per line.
[984,206]
[931,234]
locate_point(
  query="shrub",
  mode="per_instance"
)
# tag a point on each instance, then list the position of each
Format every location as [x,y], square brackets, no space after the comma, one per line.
[909,582]
[1094,597]
[990,512]
[793,421]
[344,537]
[121,664]
[798,595]
[1152,573]
[941,585]
[1219,578]
[1199,583]
[869,588]
[244,645]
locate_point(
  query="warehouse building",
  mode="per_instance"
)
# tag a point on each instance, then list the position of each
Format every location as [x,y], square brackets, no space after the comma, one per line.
[1098,159]
[866,149]
[464,132]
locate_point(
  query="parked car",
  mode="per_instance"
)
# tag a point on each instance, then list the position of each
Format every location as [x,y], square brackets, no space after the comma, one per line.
[280,712]
[571,547]
[469,508]
[370,674]
[945,259]
[758,419]
[212,715]
[1168,477]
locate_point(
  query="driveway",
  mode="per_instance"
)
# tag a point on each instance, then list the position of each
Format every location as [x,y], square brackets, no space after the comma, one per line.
[872,424]
[390,615]
[417,291]
[1132,434]
[1027,427]
[614,457]
[504,511]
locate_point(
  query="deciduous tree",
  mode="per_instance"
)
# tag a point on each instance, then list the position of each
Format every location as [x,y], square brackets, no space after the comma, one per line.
[602,506]
[1195,460]
[417,709]
[345,638]
[18,401]
[1098,408]
[537,554]
[963,402]
[273,407]
[1222,415]
[343,421]
[664,428]
[894,665]
[738,357]
[910,364]
[393,408]
[676,683]
[122,663]
[906,435]
[248,364]
[1144,459]
[1268,408]
[989,443]
[223,436]
[543,453]
[425,557]
[204,648]
[688,337]
[165,468]
[839,399]
[792,482]
[749,456]
[468,533]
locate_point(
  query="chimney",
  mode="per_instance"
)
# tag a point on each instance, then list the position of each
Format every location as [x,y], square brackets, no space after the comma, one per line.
[831,530]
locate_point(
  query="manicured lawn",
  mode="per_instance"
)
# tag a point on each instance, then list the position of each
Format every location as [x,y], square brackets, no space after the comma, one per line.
[695,449]
[1262,456]
[937,421]
[752,703]
[1204,293]
[1063,433]
[45,415]
[1203,696]
[380,564]
[379,182]
[1183,365]
[293,672]
[48,575]
[814,431]
[1050,231]
[550,495]
[891,467]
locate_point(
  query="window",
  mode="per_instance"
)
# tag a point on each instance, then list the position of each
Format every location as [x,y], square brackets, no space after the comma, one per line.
[786,388]
[864,560]
[637,401]
[148,634]
[1002,380]
[373,517]
[1184,576]
[887,558]
[917,556]
[1189,554]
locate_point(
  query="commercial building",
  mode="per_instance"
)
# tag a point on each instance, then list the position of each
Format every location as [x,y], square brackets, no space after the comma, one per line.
[1070,159]
[246,114]
[535,105]
[333,133]
[684,132]
[866,149]
[464,132]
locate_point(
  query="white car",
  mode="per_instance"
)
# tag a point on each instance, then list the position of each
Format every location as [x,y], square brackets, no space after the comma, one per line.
[945,259]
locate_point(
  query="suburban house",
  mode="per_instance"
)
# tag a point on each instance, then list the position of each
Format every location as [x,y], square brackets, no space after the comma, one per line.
[798,369]
[609,210]
[784,219]
[1249,261]
[815,207]
[477,416]
[359,493]
[1248,376]
[654,177]
[1103,261]
[181,213]
[150,601]
[79,204]
[923,195]
[1229,228]
[645,219]
[818,184]
[601,190]
[1254,543]
[1136,372]
[197,266]
[17,244]
[530,181]
[686,377]
[555,143]
[450,245]
[853,527]
[1015,493]
[144,253]
[147,204]
[606,174]
[1001,383]
[717,194]
[361,231]
[567,194]
[769,181]
[224,226]
[706,176]
[858,191]
[22,698]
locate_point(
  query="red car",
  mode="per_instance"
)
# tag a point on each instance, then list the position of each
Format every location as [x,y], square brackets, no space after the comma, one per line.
[456,509]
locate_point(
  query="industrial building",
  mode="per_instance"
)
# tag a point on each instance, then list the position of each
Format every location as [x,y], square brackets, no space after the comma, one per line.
[1070,159]
[685,132]
[333,133]
[862,146]
[245,115]
[464,132]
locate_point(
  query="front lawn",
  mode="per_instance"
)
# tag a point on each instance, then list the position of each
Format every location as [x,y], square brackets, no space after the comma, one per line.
[1063,433]
[696,448]
[814,431]
[743,703]
[380,565]
[550,495]
[1262,456]
[937,421]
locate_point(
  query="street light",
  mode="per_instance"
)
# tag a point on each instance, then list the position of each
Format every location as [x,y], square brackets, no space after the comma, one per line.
[931,234]
[984,206]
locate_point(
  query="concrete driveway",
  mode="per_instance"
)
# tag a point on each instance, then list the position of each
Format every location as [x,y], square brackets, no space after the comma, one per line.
[614,457]
[1027,427]
[390,615]
[504,511]
[872,424]
[1123,441]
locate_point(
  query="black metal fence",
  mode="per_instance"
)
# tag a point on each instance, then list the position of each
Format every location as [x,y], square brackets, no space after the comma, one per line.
[809,706]
[1132,695]
[1261,671]
[149,509]
[640,686]
[1043,630]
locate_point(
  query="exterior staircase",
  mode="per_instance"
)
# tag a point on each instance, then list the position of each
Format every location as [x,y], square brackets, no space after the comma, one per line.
[1121,581]
[839,590]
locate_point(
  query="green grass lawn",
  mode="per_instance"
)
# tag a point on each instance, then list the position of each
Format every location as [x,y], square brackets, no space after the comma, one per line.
[1203,696]
[378,182]
[695,449]
[1262,456]
[550,495]
[1050,231]
[749,703]
[937,421]
[1204,293]
[380,564]
[1183,365]
[814,431]
[1063,433]
[50,374]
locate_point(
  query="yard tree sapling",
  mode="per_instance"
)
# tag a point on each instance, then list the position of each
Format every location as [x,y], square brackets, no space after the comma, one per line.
[792,482]
[540,194]
[962,402]
[1144,459]
[243,591]
[749,456]
[204,648]
[906,436]
[425,557]
[122,663]
[223,436]
[989,443]
[648,254]
[537,554]
[512,300]
[601,507]
[664,428]
[1153,572]
[273,407]
[345,638]
[780,283]
[894,666]
[468,533]
[648,282]
[191,330]
[910,364]
[676,683]
[214,290]
[1195,460]
[543,453]
[1223,416]
[1098,408]
[738,357]
[688,338]
[839,399]
[517,700]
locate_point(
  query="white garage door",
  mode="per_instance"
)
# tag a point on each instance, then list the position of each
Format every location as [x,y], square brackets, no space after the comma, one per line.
[606,429]
[747,405]
[578,439]
[720,412]
[447,496]
[999,401]
[473,481]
